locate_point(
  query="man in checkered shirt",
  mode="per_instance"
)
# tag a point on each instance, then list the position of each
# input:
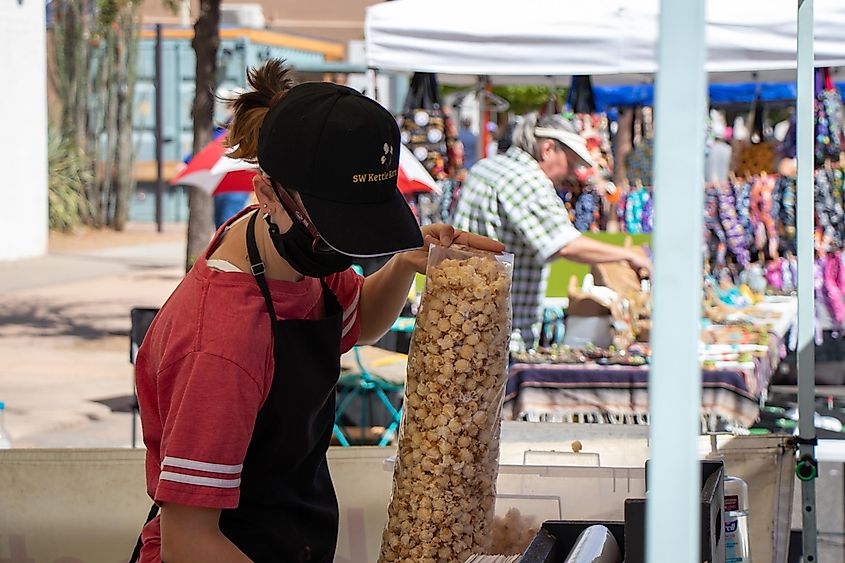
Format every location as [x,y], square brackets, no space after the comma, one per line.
[511,198]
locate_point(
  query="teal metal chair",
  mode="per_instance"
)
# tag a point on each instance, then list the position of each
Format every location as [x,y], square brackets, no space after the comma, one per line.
[363,385]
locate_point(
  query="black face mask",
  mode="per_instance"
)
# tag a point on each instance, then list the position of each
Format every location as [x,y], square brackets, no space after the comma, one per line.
[296,247]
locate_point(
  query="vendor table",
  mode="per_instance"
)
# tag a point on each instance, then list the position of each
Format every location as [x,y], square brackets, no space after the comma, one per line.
[590,392]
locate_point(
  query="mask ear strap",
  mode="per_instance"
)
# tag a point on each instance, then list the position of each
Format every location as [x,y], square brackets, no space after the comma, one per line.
[294,209]
[278,189]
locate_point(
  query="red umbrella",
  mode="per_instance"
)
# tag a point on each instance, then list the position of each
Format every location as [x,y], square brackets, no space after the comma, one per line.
[213,164]
[413,176]
[200,171]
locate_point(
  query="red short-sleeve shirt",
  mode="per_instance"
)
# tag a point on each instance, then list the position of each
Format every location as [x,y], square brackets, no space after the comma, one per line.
[204,371]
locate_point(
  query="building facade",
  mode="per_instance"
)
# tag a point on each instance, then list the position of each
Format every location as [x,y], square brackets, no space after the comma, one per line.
[337,20]
[240,49]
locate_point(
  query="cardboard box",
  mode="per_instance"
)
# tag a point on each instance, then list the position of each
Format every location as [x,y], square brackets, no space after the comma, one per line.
[619,276]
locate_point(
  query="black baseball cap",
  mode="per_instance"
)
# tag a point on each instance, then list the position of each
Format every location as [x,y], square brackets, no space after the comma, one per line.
[340,151]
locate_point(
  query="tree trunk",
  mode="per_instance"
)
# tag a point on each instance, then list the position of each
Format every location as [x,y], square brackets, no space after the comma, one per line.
[95,53]
[73,66]
[82,84]
[125,181]
[67,46]
[72,50]
[107,159]
[97,126]
[82,93]
[205,43]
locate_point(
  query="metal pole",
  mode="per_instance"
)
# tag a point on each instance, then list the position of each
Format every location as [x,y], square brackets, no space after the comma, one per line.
[483,117]
[372,84]
[807,465]
[159,140]
[673,531]
[479,150]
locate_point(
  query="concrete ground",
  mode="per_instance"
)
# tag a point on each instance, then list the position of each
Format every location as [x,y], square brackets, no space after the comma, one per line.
[64,325]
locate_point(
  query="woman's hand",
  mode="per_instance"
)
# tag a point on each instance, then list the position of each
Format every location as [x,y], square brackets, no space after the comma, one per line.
[386,292]
[446,235]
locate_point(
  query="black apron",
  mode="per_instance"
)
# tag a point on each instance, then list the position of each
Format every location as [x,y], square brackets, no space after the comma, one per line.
[288,508]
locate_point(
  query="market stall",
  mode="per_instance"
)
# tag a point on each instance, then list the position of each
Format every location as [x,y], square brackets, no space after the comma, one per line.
[748,245]
[402,36]
[567,386]
[761,47]
[456,464]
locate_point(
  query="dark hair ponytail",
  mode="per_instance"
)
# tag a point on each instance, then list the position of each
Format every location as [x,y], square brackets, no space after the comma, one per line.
[269,83]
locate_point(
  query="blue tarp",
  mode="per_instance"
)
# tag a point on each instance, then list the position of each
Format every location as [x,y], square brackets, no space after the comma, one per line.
[720,94]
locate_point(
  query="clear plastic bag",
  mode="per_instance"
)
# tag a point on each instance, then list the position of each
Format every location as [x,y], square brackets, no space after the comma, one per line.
[444,480]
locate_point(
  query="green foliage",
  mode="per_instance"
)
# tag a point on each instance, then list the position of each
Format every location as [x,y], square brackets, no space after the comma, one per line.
[108,11]
[91,157]
[67,178]
[522,98]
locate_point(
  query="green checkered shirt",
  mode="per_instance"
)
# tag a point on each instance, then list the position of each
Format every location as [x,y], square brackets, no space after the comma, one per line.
[509,198]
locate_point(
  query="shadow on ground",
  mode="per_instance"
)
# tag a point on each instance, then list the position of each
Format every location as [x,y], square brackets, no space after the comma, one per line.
[35,318]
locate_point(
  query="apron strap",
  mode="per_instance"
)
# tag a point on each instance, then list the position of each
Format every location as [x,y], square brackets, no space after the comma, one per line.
[136,553]
[257,266]
[258,269]
[330,301]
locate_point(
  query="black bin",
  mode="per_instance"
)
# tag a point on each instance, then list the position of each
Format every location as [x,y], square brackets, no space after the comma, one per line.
[556,539]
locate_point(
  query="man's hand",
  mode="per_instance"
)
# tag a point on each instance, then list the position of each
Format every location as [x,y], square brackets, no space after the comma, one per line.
[640,263]
[446,235]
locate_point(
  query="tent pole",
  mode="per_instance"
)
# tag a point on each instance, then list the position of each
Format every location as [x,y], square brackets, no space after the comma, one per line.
[372,83]
[807,468]
[484,117]
[673,531]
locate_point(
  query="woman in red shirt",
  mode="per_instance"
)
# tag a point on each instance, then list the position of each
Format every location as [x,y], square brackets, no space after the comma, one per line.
[236,376]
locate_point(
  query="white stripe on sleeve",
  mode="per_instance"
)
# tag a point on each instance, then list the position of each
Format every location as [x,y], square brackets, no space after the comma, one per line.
[201,481]
[353,306]
[201,465]
[349,324]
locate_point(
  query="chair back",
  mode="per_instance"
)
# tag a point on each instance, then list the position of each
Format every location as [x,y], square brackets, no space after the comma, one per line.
[141,318]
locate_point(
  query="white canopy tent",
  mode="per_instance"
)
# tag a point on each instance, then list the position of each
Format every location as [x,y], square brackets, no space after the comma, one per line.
[614,41]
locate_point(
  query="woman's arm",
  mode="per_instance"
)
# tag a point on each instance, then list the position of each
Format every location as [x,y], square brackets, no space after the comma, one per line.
[190,533]
[382,298]
[385,292]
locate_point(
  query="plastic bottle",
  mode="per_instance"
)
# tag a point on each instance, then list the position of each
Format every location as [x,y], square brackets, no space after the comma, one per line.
[5,439]
[737,539]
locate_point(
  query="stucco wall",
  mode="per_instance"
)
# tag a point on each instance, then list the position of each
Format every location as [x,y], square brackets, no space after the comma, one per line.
[23,144]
